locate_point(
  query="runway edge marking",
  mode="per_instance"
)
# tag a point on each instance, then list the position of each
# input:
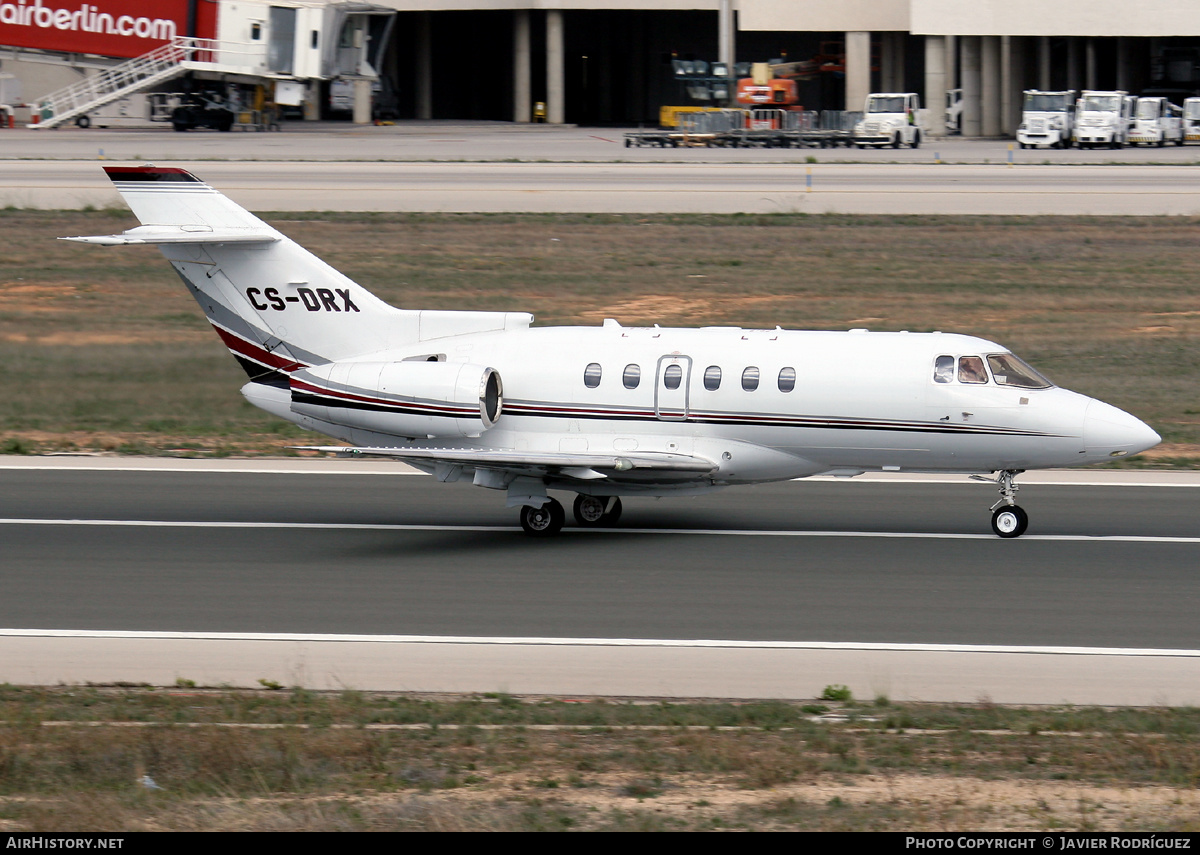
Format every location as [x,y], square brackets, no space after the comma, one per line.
[516,641]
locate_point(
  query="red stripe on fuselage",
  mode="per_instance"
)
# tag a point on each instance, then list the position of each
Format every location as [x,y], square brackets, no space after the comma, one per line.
[257,352]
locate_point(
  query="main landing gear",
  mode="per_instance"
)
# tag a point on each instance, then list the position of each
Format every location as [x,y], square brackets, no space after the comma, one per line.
[1008,518]
[589,511]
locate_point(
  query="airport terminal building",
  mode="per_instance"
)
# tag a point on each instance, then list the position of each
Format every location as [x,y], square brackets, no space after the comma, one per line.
[617,62]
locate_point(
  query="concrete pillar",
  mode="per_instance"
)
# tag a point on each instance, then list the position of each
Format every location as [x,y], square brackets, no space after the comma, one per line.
[522,96]
[1123,75]
[858,69]
[971,83]
[934,97]
[989,80]
[1006,78]
[362,101]
[312,102]
[1090,53]
[1043,50]
[1073,78]
[1013,74]
[726,46]
[887,63]
[555,78]
[952,62]
[424,81]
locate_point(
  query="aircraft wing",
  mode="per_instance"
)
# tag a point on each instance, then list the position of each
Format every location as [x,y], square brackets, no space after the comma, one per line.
[583,467]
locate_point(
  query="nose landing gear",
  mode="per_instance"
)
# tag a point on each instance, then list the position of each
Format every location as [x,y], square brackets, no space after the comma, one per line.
[1008,518]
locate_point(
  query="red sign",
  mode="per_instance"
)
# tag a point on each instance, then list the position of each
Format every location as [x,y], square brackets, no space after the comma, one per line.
[104,27]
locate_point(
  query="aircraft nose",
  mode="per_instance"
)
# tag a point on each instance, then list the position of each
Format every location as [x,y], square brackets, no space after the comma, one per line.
[1109,432]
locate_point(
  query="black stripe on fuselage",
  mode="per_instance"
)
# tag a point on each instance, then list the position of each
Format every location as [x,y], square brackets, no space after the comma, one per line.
[744,420]
[299,397]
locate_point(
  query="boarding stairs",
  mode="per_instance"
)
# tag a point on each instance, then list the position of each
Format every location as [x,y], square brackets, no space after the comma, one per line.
[136,75]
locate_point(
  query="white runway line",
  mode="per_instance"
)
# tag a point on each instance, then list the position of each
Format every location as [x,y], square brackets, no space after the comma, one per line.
[1073,538]
[597,642]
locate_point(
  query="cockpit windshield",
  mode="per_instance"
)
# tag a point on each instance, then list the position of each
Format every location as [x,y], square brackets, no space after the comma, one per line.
[1046,102]
[894,104]
[1009,370]
[1147,108]
[1102,103]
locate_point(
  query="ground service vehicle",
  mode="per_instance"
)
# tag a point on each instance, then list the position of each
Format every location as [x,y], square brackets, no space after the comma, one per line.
[1047,118]
[954,108]
[1103,118]
[890,118]
[1156,121]
[1191,119]
[603,411]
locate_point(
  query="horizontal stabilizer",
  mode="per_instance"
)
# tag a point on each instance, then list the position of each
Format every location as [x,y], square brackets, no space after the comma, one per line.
[158,235]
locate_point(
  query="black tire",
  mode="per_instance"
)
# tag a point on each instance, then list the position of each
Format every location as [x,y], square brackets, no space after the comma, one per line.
[180,127]
[83,122]
[545,521]
[896,141]
[591,510]
[916,143]
[1009,521]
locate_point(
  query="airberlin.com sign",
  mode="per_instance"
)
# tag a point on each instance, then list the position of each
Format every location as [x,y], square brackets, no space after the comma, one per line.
[105,27]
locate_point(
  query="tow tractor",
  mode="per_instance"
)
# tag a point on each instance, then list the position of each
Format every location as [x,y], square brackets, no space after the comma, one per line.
[1156,122]
[1191,119]
[890,118]
[1047,118]
[1103,118]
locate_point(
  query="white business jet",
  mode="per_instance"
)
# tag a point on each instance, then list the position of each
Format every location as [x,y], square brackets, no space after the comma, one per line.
[607,411]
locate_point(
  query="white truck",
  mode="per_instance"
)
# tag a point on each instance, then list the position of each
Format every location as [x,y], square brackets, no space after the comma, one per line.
[890,118]
[1103,118]
[1156,122]
[1191,119]
[1047,118]
[954,110]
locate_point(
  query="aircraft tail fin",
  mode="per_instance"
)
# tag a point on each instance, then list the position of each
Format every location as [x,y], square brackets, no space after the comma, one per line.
[277,307]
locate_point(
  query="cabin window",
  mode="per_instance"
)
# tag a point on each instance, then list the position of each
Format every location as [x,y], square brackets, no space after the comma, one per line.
[632,376]
[672,376]
[971,370]
[943,369]
[750,378]
[787,379]
[712,378]
[1010,370]
[591,375]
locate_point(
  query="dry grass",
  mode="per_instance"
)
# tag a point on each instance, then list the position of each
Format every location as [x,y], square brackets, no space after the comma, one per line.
[72,758]
[106,344]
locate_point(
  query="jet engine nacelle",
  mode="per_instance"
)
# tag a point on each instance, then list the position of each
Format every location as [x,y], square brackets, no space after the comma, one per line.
[409,399]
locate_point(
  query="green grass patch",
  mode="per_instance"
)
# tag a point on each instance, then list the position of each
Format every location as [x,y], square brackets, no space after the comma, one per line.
[106,341]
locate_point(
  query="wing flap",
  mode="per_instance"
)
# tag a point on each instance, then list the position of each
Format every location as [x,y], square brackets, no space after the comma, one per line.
[571,465]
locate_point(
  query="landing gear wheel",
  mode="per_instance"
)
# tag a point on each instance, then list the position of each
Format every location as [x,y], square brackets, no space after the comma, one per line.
[544,521]
[597,510]
[1010,521]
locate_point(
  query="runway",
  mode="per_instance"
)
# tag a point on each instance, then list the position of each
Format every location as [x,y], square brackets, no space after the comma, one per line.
[680,187]
[772,591]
